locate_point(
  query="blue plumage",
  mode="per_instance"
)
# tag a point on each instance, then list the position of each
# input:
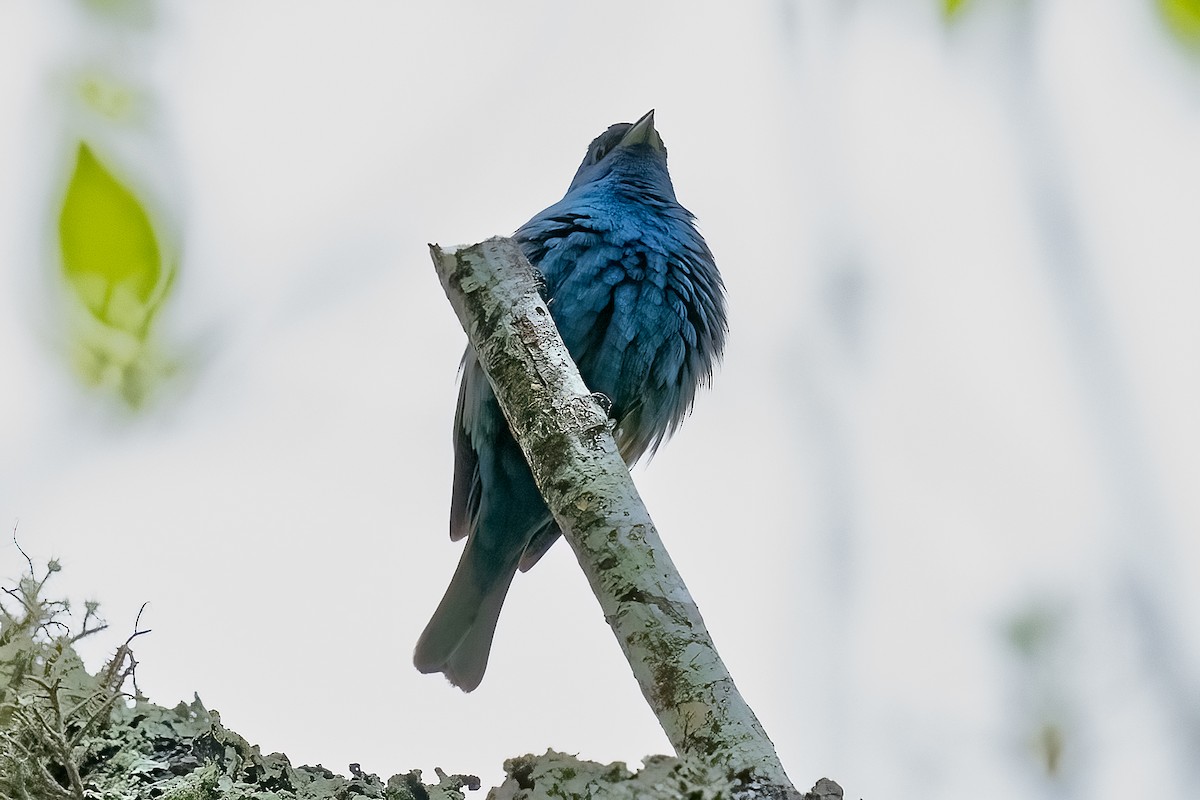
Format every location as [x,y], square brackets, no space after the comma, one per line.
[639,303]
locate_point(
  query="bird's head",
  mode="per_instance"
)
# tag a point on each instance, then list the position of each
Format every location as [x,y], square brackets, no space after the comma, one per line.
[627,151]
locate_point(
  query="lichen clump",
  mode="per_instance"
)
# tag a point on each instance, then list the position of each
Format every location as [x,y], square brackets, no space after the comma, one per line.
[68,734]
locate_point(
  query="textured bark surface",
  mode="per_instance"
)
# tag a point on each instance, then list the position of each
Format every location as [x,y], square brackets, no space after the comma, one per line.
[564,432]
[553,776]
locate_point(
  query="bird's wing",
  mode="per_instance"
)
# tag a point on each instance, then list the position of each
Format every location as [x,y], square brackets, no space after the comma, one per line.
[464,498]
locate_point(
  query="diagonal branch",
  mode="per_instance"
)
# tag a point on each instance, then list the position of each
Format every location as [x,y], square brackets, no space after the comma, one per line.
[564,434]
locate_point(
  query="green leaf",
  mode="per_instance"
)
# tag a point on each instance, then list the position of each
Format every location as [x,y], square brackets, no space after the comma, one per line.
[951,8]
[1183,18]
[110,254]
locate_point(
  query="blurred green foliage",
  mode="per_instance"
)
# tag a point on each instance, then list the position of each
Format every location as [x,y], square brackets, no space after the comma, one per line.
[110,254]
[1033,631]
[1037,636]
[951,8]
[107,97]
[114,266]
[136,13]
[1183,18]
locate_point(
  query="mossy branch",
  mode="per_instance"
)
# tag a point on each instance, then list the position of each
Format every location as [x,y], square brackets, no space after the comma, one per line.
[565,435]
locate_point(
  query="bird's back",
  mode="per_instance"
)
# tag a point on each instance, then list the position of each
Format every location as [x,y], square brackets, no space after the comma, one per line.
[638,300]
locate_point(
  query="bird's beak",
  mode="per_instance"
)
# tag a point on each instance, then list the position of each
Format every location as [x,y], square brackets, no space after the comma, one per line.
[643,132]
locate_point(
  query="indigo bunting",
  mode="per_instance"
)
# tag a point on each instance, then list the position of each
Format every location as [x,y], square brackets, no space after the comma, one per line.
[638,300]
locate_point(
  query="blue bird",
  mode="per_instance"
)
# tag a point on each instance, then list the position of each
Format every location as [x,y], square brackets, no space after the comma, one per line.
[640,305]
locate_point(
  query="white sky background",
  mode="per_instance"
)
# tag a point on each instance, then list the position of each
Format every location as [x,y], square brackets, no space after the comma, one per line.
[961,384]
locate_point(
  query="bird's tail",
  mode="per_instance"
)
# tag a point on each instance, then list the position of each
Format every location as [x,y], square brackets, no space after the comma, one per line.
[458,639]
